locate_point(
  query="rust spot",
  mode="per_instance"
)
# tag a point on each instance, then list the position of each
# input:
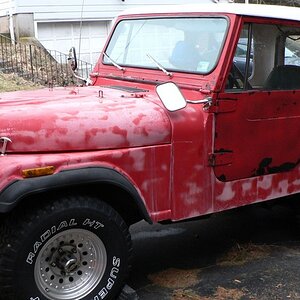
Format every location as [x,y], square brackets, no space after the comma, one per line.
[118,130]
[285,167]
[135,95]
[263,166]
[222,177]
[266,168]
[104,118]
[141,130]
[138,119]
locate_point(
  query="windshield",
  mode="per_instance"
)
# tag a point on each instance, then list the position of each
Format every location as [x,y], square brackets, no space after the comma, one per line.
[176,44]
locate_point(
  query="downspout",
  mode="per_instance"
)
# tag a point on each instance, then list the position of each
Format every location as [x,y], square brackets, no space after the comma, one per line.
[11,22]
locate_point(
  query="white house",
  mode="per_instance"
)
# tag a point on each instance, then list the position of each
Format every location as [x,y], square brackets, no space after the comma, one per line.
[61,24]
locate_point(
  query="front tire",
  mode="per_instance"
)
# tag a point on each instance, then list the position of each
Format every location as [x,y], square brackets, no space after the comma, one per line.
[74,248]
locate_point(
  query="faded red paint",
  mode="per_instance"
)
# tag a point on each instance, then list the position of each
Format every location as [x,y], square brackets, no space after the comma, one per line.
[81,123]
[164,154]
[137,120]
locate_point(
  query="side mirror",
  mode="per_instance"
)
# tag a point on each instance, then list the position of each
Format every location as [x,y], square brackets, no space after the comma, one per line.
[72,59]
[171,96]
[72,63]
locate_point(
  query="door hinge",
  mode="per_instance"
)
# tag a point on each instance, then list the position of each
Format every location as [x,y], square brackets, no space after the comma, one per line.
[220,158]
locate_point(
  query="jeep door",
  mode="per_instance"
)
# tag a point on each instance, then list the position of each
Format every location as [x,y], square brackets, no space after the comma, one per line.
[258,132]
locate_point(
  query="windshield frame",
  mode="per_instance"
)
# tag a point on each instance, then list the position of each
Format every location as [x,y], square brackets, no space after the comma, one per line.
[111,42]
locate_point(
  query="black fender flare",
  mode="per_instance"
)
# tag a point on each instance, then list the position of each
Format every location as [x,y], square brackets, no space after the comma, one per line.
[19,189]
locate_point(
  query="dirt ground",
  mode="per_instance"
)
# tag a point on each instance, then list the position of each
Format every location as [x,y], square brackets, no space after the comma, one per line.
[246,254]
[12,82]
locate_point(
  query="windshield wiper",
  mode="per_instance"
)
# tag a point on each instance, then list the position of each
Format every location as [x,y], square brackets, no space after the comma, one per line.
[160,66]
[114,63]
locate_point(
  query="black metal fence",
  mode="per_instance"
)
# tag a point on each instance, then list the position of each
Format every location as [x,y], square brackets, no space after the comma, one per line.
[32,62]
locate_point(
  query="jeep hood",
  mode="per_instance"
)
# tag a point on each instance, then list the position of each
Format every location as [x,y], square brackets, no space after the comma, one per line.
[81,119]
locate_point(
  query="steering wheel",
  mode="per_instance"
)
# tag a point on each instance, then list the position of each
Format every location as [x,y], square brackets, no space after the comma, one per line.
[235,77]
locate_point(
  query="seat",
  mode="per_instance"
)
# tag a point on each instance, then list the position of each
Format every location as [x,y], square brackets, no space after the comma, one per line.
[284,77]
[184,56]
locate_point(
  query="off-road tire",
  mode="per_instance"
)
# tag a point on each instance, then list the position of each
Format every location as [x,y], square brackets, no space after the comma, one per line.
[75,247]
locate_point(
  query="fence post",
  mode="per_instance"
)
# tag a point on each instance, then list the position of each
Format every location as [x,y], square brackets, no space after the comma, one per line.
[31,62]
[2,49]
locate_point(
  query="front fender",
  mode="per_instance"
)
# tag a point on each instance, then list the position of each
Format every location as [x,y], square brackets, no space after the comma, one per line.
[18,190]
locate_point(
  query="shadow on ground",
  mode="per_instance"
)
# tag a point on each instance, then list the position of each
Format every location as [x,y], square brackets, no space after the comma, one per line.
[249,253]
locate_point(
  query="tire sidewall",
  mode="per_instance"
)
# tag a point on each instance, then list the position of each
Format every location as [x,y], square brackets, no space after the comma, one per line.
[44,228]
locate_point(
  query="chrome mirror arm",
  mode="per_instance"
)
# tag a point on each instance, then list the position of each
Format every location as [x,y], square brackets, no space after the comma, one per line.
[207,102]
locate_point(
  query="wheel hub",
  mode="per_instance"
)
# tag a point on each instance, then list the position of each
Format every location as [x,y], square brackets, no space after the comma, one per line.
[70,265]
[65,260]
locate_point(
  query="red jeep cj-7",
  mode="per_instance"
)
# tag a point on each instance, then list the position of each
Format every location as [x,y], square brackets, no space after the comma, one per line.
[193,110]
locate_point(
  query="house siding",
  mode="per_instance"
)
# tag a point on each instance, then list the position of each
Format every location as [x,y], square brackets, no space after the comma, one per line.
[7,9]
[56,23]
[5,6]
[56,10]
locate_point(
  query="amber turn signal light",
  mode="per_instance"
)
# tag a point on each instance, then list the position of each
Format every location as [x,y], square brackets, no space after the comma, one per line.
[36,172]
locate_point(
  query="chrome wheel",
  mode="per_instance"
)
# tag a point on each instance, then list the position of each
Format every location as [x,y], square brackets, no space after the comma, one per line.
[70,265]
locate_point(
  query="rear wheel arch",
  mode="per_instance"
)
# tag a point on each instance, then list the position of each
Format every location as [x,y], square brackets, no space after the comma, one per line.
[104,183]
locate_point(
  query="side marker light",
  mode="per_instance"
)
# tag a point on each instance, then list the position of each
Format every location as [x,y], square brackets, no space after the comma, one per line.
[37,172]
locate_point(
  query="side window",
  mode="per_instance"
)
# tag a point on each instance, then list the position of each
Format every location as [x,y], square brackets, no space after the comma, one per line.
[242,62]
[292,50]
[269,55]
